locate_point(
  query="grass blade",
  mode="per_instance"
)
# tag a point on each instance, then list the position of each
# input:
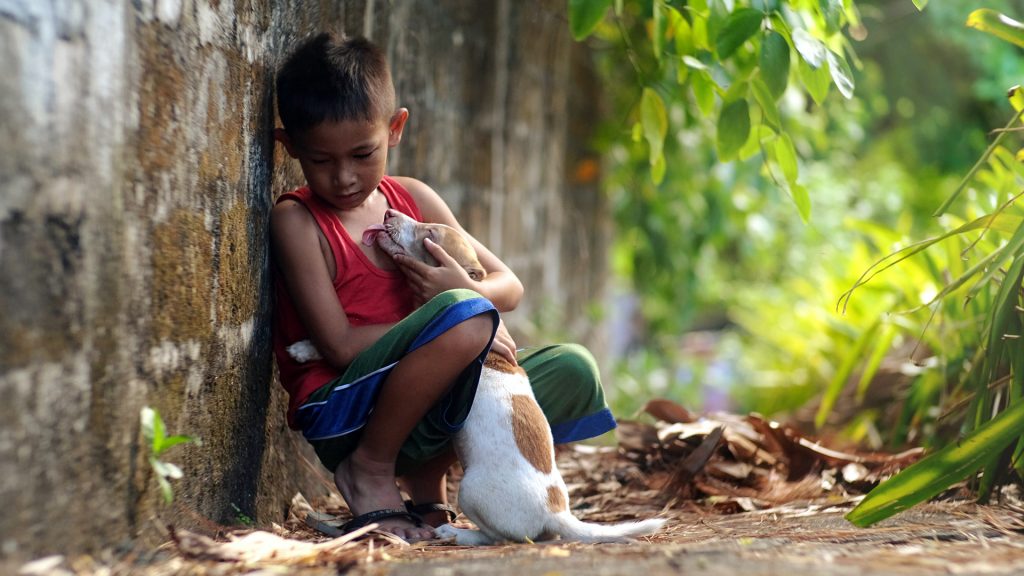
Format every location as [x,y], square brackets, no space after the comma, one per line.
[940,470]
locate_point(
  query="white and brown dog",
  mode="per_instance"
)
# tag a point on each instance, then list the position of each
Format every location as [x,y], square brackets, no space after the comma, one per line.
[511,488]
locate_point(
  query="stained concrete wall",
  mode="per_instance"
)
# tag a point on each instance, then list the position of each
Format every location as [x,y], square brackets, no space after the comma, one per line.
[137,170]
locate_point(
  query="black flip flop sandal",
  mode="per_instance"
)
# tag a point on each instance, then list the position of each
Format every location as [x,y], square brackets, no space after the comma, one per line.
[378,515]
[427,507]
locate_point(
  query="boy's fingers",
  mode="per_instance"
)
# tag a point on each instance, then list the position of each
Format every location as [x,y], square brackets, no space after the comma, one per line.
[438,252]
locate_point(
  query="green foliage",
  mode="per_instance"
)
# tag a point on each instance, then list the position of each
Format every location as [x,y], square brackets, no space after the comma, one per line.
[706,230]
[940,470]
[155,433]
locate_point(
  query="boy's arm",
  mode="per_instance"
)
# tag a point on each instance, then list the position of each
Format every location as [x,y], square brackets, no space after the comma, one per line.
[296,244]
[500,286]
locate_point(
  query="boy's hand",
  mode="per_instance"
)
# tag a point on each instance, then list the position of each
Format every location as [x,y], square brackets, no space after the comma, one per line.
[503,344]
[428,281]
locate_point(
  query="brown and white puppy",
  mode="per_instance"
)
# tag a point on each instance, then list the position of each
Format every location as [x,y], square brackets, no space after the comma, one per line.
[511,488]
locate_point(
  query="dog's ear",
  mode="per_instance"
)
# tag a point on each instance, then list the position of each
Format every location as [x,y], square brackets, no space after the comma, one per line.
[476,273]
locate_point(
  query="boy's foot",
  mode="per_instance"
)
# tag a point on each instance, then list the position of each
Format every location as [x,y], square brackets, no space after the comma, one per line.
[368,485]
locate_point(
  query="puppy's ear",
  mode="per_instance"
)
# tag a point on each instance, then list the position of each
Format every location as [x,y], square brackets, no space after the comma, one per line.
[476,273]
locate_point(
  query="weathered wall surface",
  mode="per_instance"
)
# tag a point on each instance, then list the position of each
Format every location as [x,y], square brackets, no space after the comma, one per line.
[137,170]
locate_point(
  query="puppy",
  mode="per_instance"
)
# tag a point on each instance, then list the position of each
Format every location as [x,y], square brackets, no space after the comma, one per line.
[511,488]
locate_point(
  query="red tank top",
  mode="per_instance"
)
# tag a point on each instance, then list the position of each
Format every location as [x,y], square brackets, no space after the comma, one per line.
[368,294]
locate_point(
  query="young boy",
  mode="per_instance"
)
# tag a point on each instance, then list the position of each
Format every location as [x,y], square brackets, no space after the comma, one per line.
[402,342]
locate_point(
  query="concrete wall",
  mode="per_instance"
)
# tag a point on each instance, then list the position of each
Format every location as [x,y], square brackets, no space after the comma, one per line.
[137,170]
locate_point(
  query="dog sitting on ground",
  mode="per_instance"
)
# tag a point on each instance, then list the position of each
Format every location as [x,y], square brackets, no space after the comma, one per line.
[511,488]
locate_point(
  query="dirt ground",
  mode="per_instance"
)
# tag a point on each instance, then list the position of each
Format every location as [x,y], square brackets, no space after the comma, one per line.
[709,535]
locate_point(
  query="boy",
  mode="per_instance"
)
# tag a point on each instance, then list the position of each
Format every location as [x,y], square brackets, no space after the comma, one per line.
[402,342]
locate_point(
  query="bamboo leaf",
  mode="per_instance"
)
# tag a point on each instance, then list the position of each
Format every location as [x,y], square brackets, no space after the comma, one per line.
[585,15]
[940,470]
[920,4]
[739,26]
[998,25]
[733,128]
[881,347]
[842,375]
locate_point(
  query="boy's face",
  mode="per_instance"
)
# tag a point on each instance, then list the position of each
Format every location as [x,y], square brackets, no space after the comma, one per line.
[343,162]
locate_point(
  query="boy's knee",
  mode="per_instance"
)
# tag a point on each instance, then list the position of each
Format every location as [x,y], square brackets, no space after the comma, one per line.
[470,336]
[578,364]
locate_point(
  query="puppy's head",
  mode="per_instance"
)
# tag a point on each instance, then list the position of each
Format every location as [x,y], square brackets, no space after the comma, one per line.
[406,236]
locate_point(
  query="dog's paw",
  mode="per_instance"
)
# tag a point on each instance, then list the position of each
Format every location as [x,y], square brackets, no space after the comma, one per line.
[303,351]
[446,531]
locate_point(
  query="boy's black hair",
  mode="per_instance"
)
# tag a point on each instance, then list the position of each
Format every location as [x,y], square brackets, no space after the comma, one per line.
[332,79]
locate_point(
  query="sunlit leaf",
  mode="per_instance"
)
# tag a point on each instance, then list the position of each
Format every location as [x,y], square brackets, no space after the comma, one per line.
[655,122]
[775,63]
[733,128]
[658,26]
[998,25]
[658,169]
[785,154]
[920,4]
[704,92]
[853,355]
[584,16]
[802,198]
[940,470]
[739,26]
[682,33]
[816,80]
[1016,97]
[841,74]
[881,347]
[810,48]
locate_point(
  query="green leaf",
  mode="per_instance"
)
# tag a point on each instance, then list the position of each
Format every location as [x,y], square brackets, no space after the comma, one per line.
[785,155]
[920,4]
[775,63]
[841,74]
[831,10]
[682,33]
[658,169]
[767,103]
[816,80]
[704,92]
[655,122]
[584,16]
[172,441]
[733,128]
[940,470]
[739,26]
[657,30]
[998,25]
[802,198]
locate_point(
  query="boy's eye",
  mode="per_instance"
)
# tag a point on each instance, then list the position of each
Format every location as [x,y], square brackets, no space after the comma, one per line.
[364,155]
[319,160]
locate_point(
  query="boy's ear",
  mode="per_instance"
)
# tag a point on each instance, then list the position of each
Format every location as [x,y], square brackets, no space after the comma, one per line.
[281,136]
[396,125]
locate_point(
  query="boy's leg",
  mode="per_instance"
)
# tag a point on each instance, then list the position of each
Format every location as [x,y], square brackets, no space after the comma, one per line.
[366,478]
[428,484]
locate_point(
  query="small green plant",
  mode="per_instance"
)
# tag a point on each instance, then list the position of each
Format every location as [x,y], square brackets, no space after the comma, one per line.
[242,517]
[155,433]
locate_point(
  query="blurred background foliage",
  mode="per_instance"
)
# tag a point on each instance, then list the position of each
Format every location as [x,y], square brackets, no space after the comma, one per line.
[732,256]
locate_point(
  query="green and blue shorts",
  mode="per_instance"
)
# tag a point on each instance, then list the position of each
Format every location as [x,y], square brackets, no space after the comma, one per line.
[564,377]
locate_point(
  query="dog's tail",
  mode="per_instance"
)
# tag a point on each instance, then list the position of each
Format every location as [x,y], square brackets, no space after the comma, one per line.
[570,527]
